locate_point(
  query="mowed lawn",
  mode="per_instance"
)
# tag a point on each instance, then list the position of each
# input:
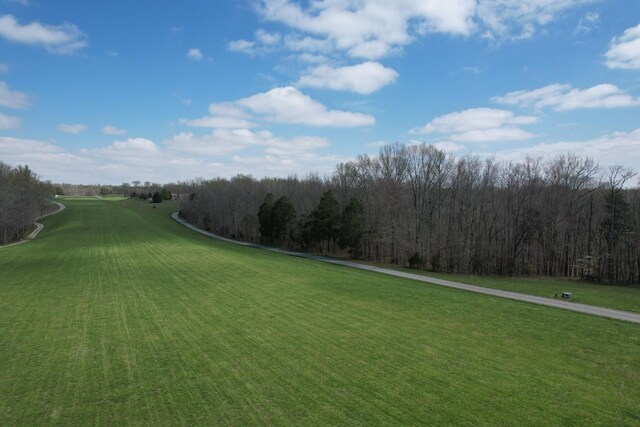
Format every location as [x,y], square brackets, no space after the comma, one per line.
[611,296]
[117,315]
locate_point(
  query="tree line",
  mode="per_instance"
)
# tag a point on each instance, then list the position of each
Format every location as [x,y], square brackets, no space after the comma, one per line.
[416,205]
[23,199]
[137,189]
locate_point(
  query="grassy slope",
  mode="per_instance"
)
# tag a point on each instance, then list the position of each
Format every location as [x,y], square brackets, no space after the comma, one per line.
[116,314]
[618,297]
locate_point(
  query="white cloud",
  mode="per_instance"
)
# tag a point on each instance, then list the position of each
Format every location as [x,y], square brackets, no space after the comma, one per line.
[223,115]
[115,163]
[507,133]
[624,51]
[588,23]
[263,43]
[311,58]
[377,144]
[268,39]
[295,145]
[224,141]
[9,122]
[217,123]
[520,19]
[195,54]
[243,46]
[299,43]
[373,28]
[364,78]
[17,146]
[562,97]
[289,105]
[620,148]
[448,146]
[231,131]
[227,109]
[218,143]
[275,165]
[479,125]
[64,39]
[134,150]
[137,158]
[13,99]
[73,129]
[114,131]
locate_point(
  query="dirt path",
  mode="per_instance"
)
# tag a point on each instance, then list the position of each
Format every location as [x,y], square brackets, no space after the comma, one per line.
[38,229]
[549,302]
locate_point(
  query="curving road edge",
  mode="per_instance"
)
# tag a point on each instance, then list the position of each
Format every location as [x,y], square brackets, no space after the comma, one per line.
[549,302]
[38,229]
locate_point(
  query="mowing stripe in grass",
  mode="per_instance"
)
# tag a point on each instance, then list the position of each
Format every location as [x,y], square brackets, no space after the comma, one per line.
[580,308]
[118,315]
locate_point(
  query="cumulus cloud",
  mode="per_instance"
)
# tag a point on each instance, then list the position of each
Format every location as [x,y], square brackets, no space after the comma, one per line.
[289,105]
[479,125]
[243,46]
[9,122]
[373,29]
[520,19]
[376,144]
[137,158]
[224,115]
[231,124]
[624,51]
[114,131]
[64,39]
[562,97]
[275,165]
[227,109]
[294,146]
[217,122]
[17,146]
[266,38]
[619,148]
[449,147]
[264,42]
[224,141]
[281,156]
[310,58]
[131,149]
[195,54]
[217,143]
[72,128]
[13,99]
[299,43]
[364,78]
[121,161]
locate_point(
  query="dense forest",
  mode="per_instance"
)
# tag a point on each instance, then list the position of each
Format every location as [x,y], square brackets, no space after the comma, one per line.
[418,206]
[23,198]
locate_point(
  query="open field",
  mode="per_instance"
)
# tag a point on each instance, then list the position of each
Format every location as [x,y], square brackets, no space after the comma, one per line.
[118,315]
[610,296]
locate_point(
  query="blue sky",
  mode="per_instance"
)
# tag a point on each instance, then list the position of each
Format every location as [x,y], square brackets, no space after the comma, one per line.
[111,92]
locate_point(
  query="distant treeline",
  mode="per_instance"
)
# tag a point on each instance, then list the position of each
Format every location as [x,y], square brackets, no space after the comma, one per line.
[415,205]
[23,198]
[134,189]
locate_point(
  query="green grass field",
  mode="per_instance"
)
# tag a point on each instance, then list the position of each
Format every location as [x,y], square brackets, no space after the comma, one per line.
[117,315]
[611,296]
